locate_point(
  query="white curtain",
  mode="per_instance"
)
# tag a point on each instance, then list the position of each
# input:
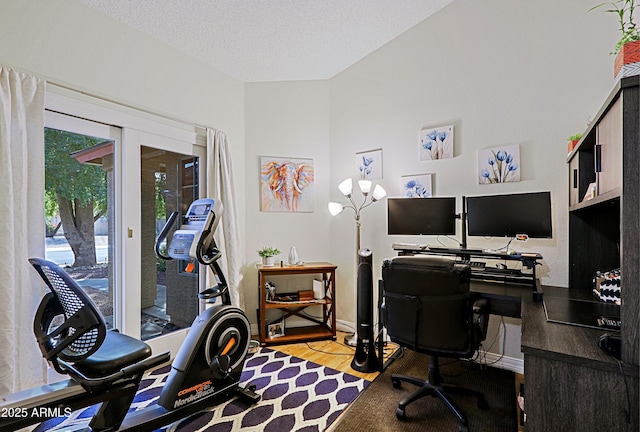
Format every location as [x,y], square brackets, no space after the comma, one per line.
[220,186]
[21,226]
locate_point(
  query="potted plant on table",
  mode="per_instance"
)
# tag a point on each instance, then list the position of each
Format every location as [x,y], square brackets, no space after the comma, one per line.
[267,254]
[627,49]
[573,141]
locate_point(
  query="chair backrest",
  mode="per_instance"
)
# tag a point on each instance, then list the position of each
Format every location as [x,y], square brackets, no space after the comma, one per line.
[68,325]
[427,305]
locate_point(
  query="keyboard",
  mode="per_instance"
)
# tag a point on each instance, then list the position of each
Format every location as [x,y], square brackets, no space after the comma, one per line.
[475,265]
[455,250]
[409,246]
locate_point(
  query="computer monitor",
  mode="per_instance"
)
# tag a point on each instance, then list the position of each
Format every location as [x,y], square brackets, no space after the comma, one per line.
[509,215]
[421,216]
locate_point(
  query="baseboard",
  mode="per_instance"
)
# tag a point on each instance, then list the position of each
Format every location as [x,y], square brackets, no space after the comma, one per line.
[346,326]
[502,362]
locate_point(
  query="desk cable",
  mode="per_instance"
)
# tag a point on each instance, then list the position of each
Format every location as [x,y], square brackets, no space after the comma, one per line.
[480,357]
[627,412]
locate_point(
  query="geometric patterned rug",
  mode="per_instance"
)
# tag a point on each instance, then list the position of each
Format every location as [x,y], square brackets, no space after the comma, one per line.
[297,395]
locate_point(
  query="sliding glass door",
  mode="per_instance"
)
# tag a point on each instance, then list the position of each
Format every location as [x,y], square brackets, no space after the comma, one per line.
[80,215]
[109,191]
[162,297]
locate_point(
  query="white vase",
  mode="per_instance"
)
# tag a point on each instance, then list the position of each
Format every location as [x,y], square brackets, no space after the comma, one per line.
[293,256]
[267,261]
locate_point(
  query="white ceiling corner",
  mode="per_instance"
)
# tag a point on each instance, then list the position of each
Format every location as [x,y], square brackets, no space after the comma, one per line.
[272,40]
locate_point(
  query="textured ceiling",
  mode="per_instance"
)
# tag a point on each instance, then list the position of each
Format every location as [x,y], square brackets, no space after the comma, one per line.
[272,40]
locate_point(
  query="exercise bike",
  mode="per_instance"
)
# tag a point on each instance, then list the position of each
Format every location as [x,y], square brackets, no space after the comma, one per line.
[106,367]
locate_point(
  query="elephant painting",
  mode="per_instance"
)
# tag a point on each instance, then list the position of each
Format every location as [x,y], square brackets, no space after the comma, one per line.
[287,185]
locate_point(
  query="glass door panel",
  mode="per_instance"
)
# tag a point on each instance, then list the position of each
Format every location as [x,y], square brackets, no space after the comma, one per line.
[79,198]
[169,294]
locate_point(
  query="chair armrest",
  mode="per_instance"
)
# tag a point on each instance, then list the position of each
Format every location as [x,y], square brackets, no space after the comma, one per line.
[383,315]
[481,318]
[480,306]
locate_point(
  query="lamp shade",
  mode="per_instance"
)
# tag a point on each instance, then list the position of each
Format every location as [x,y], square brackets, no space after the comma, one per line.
[335,208]
[346,187]
[365,186]
[378,193]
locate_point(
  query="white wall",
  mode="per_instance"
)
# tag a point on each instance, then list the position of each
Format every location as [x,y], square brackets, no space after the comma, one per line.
[502,72]
[288,120]
[69,43]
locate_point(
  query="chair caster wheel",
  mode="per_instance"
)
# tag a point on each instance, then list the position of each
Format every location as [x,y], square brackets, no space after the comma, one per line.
[483,404]
[463,428]
[252,387]
[396,383]
[400,414]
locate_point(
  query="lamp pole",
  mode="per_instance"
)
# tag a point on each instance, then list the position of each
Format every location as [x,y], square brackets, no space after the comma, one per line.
[358,225]
[346,187]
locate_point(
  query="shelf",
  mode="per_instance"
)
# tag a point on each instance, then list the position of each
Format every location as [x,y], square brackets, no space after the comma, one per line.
[585,143]
[273,305]
[600,199]
[300,334]
[323,327]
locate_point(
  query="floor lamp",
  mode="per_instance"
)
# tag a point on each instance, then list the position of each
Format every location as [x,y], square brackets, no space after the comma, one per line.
[346,187]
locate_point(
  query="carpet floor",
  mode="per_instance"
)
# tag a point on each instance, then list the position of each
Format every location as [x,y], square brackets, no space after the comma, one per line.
[374,409]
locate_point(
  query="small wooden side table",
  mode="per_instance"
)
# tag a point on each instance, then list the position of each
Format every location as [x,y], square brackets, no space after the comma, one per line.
[321,329]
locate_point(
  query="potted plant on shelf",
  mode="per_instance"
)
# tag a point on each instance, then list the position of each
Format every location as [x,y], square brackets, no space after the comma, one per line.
[627,50]
[267,254]
[573,141]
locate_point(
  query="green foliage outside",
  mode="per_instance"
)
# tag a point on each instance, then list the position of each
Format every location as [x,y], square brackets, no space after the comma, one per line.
[161,187]
[75,191]
[66,177]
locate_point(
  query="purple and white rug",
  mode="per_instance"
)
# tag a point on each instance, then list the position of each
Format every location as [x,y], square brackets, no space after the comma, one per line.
[297,395]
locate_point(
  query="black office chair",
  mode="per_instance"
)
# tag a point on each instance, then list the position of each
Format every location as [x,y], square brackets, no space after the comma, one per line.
[428,308]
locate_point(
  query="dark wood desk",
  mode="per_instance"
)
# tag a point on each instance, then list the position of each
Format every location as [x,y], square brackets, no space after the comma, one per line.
[528,261]
[504,298]
[570,383]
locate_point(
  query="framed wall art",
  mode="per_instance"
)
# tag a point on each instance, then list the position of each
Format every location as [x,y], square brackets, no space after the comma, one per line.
[286,185]
[436,143]
[369,164]
[499,165]
[416,186]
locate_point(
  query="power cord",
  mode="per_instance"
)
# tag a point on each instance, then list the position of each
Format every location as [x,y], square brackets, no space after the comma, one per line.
[481,355]
[627,413]
[614,353]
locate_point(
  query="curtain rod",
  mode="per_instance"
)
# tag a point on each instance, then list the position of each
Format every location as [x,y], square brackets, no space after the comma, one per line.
[146,111]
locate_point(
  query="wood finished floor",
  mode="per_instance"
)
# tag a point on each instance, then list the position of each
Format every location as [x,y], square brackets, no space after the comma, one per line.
[333,354]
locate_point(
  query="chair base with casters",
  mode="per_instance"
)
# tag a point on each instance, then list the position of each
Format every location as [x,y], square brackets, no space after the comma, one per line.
[428,309]
[434,387]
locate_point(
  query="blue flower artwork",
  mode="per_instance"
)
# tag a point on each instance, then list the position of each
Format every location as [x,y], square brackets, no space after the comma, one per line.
[369,164]
[499,165]
[416,186]
[436,143]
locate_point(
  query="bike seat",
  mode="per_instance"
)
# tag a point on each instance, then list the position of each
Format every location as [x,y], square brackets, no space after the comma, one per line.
[116,352]
[80,346]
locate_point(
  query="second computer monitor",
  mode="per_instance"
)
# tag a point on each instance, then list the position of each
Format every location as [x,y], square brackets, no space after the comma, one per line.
[421,216]
[509,215]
